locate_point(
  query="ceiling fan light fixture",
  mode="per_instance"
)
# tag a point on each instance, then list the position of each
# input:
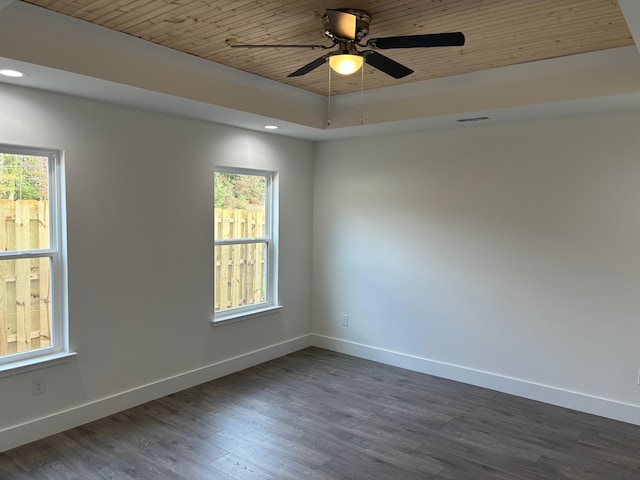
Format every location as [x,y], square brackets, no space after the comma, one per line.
[346,28]
[346,64]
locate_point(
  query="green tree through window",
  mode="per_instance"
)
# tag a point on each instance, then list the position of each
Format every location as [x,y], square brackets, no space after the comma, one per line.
[234,190]
[23,177]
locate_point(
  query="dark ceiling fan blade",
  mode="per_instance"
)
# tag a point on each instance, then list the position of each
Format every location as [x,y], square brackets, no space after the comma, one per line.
[343,24]
[313,47]
[386,65]
[309,66]
[454,39]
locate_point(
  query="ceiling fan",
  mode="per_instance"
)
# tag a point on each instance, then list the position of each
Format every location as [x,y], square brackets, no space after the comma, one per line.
[346,27]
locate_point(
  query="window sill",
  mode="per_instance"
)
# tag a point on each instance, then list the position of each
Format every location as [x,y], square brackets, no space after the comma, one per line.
[240,316]
[35,363]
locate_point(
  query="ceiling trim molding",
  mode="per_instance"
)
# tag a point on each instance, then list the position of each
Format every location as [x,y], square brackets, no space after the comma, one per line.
[74,57]
[35,35]
[631,11]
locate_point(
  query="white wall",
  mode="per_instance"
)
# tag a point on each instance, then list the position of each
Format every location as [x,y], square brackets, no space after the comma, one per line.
[140,236]
[506,256]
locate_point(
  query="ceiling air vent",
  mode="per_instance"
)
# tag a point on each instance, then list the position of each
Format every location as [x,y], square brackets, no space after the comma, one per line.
[472,119]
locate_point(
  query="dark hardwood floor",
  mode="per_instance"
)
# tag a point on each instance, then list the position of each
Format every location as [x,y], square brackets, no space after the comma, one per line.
[320,415]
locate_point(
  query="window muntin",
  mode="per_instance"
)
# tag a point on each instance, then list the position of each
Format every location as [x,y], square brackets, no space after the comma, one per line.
[244,244]
[31,315]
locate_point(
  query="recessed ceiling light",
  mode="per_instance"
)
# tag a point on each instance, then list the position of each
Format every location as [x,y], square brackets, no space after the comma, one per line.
[11,73]
[271,127]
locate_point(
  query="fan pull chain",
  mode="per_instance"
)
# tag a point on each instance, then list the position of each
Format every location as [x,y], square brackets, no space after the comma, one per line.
[329,100]
[362,96]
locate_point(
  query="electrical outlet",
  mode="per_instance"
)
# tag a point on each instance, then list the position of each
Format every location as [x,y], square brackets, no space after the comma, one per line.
[345,320]
[38,385]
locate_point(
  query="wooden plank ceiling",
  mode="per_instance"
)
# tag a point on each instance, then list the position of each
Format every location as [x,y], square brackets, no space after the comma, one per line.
[498,32]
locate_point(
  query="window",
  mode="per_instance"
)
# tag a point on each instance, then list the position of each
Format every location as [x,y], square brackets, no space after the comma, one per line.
[245,242]
[32,319]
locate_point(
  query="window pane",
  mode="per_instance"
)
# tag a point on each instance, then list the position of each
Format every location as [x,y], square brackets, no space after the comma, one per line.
[240,275]
[25,315]
[239,205]
[24,202]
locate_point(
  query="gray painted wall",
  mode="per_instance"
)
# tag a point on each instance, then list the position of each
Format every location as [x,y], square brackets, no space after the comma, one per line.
[505,255]
[502,255]
[140,241]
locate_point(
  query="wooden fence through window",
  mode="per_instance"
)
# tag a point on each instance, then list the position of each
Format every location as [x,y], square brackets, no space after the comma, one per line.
[239,277]
[25,320]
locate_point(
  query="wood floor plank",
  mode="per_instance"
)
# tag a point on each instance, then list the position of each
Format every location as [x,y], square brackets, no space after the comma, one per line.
[13,471]
[241,469]
[321,415]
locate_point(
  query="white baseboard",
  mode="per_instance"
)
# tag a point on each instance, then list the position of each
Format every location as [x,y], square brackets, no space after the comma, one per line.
[21,434]
[543,393]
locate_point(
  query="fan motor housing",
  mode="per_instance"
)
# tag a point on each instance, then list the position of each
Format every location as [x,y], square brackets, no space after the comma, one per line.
[363,21]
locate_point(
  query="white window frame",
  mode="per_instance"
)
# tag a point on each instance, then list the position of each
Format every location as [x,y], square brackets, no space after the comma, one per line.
[58,351]
[271,239]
